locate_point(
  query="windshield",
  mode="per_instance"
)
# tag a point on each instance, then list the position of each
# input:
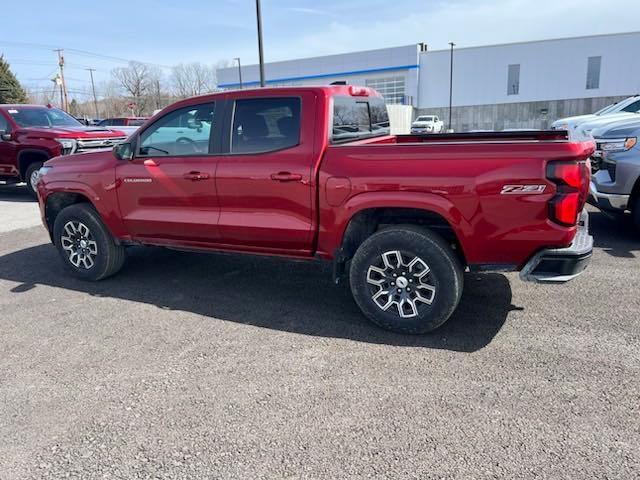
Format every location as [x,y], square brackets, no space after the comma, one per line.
[136,122]
[606,109]
[424,119]
[42,117]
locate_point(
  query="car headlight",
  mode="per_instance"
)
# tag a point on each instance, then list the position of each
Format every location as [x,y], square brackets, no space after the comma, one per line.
[618,145]
[68,145]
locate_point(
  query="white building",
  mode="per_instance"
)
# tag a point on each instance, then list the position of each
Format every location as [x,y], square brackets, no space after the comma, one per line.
[517,85]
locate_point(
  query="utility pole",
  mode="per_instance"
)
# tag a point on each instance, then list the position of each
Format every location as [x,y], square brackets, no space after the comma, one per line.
[93,87]
[451,83]
[63,85]
[158,97]
[239,71]
[260,53]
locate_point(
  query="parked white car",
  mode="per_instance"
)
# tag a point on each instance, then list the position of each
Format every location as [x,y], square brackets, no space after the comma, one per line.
[427,124]
[624,107]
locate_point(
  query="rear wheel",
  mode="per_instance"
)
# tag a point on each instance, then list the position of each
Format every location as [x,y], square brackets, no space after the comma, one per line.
[31,177]
[85,244]
[407,279]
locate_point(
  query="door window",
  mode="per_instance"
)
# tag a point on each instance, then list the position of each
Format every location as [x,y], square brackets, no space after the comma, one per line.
[4,125]
[265,125]
[185,131]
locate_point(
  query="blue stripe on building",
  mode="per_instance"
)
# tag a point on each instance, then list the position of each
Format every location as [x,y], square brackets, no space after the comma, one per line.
[321,75]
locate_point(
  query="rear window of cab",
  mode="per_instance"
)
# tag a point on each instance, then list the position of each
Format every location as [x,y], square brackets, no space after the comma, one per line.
[358,117]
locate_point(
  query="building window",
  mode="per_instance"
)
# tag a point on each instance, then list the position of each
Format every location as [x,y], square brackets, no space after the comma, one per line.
[593,72]
[391,88]
[513,80]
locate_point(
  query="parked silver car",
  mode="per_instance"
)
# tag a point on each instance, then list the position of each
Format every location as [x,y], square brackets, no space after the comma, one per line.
[615,184]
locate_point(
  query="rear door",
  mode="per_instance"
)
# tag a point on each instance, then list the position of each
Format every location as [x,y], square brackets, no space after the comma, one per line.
[265,180]
[167,192]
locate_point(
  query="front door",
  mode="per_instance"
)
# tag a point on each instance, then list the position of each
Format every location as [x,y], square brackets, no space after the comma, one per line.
[167,192]
[7,150]
[265,182]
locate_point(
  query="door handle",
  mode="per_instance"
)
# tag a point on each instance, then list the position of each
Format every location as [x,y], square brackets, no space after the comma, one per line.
[195,176]
[286,177]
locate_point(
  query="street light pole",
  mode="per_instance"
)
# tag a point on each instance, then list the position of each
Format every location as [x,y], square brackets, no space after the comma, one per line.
[239,71]
[451,82]
[260,53]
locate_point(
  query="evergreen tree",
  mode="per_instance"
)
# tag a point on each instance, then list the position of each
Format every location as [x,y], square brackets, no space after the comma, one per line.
[10,89]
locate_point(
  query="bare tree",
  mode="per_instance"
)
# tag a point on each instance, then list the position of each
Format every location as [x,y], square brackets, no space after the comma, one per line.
[139,81]
[193,79]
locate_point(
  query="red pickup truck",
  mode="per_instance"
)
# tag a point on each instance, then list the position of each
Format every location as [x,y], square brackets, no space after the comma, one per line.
[312,172]
[31,134]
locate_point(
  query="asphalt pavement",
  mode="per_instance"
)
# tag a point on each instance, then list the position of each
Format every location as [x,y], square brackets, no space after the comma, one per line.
[188,366]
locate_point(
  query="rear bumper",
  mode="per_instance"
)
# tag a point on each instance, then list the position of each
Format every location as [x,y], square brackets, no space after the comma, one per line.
[558,265]
[607,201]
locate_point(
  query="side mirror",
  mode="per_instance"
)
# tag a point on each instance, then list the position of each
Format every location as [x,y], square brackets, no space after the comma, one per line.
[123,151]
[4,136]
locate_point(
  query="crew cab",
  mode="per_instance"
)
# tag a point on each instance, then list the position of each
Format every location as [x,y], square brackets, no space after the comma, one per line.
[31,134]
[313,173]
[427,124]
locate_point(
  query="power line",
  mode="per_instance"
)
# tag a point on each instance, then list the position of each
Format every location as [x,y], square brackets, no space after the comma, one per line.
[81,52]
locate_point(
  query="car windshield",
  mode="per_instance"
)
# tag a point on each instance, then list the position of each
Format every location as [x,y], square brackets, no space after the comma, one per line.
[424,119]
[137,122]
[606,109]
[42,117]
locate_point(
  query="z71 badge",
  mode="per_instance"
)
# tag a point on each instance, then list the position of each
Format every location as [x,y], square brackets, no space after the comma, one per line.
[522,189]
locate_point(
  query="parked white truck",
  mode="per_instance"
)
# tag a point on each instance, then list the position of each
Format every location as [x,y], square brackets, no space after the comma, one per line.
[427,124]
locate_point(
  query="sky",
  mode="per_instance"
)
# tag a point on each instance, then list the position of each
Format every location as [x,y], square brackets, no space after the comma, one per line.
[104,35]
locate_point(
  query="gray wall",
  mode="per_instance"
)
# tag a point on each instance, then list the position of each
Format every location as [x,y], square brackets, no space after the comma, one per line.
[516,115]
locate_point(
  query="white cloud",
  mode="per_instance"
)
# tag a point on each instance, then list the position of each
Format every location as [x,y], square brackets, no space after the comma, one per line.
[469,23]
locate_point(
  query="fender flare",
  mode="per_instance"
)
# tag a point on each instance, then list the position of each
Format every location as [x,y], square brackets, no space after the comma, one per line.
[428,202]
[111,219]
[27,151]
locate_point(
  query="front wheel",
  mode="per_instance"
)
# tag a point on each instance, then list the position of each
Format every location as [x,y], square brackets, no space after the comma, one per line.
[406,279]
[31,178]
[85,244]
[635,213]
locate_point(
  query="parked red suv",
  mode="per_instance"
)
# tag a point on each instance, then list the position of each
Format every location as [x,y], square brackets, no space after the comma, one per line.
[312,172]
[31,134]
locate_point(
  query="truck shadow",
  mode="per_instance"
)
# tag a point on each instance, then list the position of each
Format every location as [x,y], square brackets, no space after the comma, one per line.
[15,193]
[290,296]
[614,234]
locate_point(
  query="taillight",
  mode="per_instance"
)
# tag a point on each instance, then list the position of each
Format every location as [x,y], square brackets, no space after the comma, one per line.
[572,180]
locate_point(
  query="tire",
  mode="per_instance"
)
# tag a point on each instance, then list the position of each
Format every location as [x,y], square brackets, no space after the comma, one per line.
[29,178]
[85,245]
[635,213]
[372,274]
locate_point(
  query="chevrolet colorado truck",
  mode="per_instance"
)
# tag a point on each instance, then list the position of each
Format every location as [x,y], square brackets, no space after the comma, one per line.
[312,172]
[31,134]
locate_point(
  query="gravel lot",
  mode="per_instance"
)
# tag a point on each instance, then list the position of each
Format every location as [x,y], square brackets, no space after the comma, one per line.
[217,366]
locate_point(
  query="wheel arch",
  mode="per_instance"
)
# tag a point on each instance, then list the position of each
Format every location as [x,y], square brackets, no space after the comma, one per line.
[29,155]
[58,201]
[370,219]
